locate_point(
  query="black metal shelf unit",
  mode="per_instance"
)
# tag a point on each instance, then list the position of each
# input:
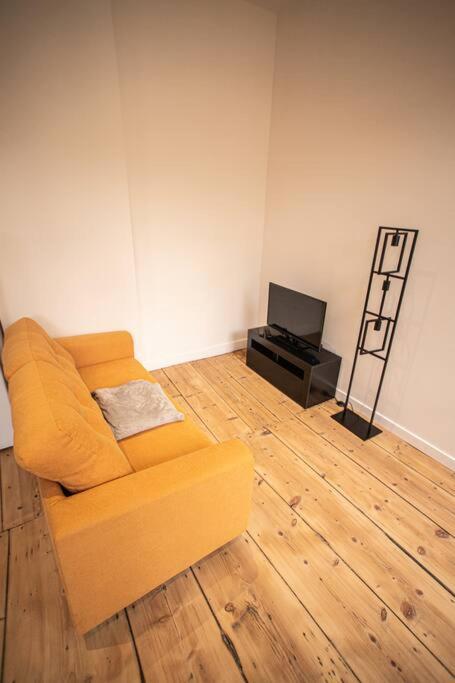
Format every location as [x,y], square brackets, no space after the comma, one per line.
[403,240]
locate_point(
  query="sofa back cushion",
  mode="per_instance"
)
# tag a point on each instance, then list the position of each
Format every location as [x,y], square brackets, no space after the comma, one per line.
[27,341]
[59,430]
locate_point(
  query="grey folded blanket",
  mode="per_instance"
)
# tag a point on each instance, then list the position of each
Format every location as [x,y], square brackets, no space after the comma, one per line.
[135,407]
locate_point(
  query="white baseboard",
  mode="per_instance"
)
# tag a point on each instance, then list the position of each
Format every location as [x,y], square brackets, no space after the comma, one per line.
[403,433]
[187,356]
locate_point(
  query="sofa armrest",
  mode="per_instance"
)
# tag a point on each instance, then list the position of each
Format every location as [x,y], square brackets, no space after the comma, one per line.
[118,541]
[101,347]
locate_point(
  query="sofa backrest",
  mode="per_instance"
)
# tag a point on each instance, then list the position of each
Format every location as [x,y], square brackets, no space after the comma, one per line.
[59,431]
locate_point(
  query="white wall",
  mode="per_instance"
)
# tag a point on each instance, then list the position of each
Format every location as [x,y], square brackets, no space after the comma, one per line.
[66,255]
[196,86]
[363,135]
[133,168]
[6,427]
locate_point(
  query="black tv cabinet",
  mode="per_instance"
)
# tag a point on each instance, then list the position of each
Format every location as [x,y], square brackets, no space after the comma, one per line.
[308,377]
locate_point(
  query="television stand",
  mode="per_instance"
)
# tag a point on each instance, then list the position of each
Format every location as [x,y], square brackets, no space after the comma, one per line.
[308,377]
[304,352]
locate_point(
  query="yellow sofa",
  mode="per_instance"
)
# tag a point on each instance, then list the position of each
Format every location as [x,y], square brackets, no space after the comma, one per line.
[131,514]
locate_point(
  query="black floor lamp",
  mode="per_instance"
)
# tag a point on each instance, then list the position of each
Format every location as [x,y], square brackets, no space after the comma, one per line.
[391,261]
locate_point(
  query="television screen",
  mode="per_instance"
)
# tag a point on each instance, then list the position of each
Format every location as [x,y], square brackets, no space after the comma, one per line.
[296,314]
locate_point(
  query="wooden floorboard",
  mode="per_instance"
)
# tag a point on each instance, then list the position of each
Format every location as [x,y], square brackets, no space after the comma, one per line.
[259,613]
[167,385]
[349,612]
[4,548]
[20,495]
[425,542]
[405,587]
[274,400]
[429,534]
[345,571]
[185,407]
[177,637]
[404,601]
[430,468]
[437,504]
[4,551]
[2,451]
[408,455]
[214,412]
[2,638]
[252,412]
[180,402]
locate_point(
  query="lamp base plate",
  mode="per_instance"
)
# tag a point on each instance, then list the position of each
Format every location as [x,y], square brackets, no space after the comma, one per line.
[356,424]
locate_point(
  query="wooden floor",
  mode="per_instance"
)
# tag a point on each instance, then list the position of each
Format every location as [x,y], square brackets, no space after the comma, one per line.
[345,573]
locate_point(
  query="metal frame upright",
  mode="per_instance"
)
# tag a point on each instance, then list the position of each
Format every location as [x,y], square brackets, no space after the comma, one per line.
[388,239]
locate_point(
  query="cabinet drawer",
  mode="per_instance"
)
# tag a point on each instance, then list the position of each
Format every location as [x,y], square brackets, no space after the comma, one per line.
[290,381]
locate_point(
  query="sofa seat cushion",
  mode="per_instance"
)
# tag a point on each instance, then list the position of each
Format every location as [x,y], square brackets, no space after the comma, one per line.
[163,443]
[59,431]
[155,445]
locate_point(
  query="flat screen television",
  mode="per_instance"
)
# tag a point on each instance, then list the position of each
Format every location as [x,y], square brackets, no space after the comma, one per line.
[296,315]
